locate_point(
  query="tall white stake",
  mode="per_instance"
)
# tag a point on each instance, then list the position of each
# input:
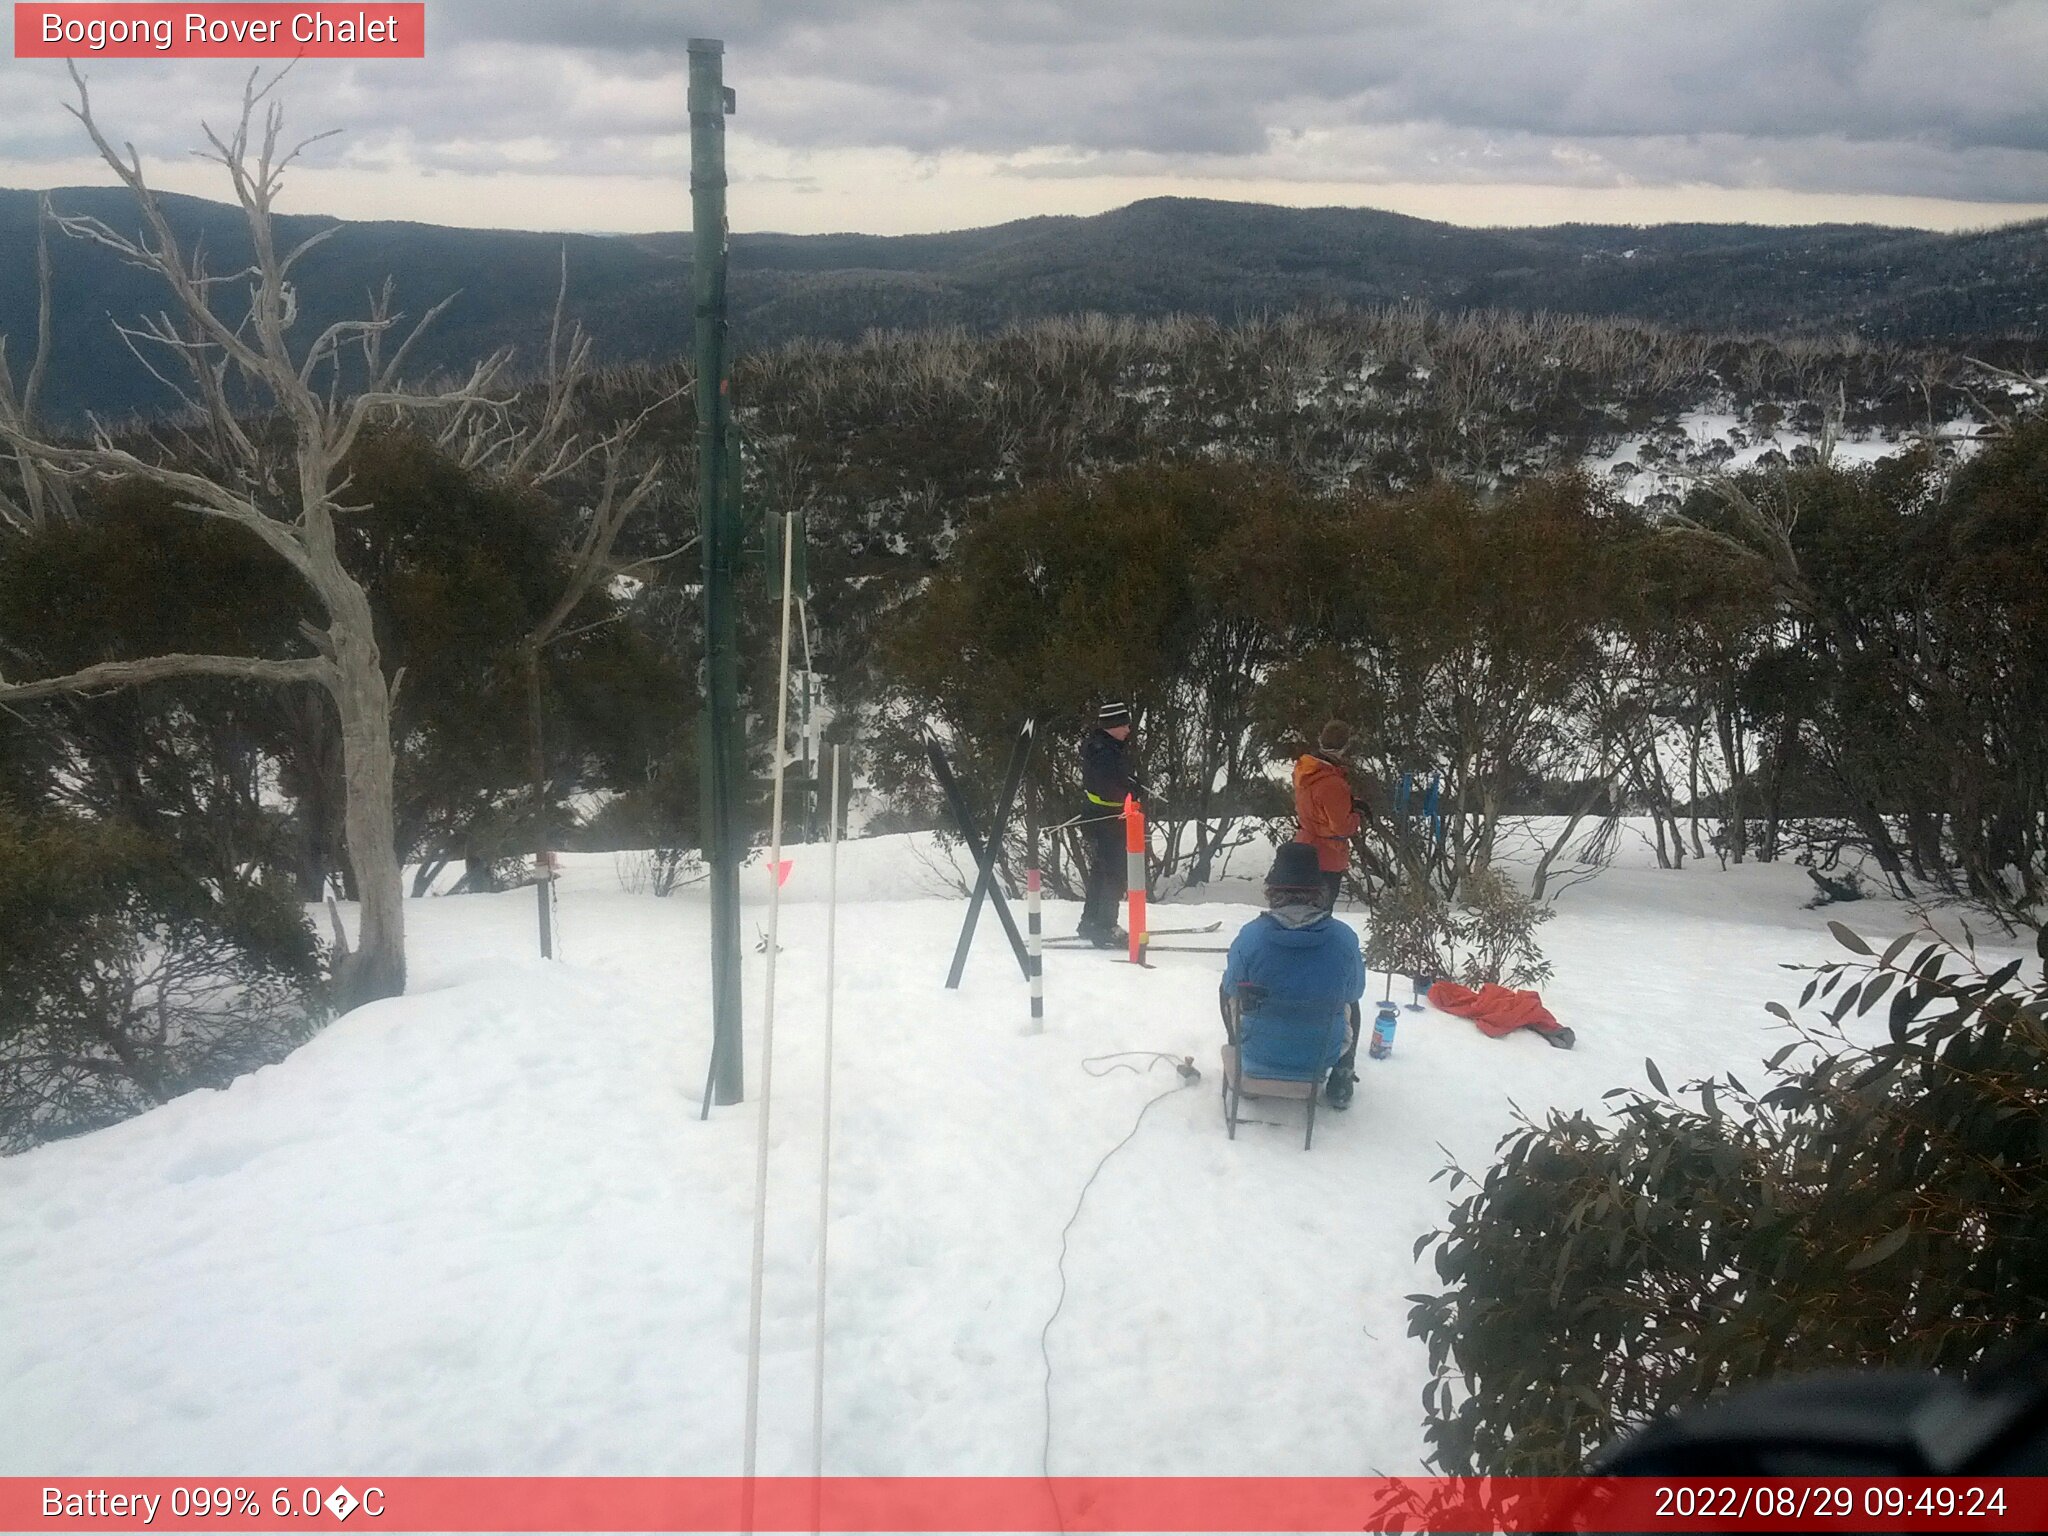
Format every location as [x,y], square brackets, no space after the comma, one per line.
[825,1155]
[767,1051]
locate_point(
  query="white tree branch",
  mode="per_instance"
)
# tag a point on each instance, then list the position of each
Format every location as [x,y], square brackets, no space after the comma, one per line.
[593,553]
[475,390]
[108,675]
[199,493]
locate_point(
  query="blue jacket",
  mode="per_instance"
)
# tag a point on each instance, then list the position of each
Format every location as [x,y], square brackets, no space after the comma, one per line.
[1308,969]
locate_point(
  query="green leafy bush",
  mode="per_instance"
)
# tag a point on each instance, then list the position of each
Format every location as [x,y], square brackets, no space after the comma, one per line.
[1409,932]
[1872,1205]
[1489,934]
[1828,889]
[126,980]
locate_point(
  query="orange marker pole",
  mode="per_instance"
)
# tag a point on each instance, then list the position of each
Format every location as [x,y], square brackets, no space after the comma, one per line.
[1134,859]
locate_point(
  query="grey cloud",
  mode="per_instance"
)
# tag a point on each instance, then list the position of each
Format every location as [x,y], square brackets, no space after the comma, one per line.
[1433,154]
[1911,79]
[1936,97]
[1602,66]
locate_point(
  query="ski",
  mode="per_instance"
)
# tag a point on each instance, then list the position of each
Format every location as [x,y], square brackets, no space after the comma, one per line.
[1123,953]
[1074,940]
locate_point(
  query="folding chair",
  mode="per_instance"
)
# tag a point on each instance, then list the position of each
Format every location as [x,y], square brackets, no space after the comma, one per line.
[1290,1031]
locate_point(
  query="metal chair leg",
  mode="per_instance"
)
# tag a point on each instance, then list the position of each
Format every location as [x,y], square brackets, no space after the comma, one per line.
[1309,1140]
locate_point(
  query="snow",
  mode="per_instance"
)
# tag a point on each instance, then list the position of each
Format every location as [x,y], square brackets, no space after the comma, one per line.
[1700,441]
[481,1229]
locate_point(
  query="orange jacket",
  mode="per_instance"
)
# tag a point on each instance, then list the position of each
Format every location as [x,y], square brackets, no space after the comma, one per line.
[1322,805]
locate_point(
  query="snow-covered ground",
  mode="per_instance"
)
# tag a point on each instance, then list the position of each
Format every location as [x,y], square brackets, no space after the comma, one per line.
[481,1229]
[1672,459]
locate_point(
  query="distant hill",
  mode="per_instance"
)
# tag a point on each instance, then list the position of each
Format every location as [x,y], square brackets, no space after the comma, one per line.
[1153,257]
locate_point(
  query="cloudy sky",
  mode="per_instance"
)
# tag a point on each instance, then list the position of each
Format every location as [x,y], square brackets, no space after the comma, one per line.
[902,115]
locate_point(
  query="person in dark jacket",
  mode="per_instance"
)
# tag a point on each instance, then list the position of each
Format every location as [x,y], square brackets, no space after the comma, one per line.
[1295,952]
[1106,778]
[1325,810]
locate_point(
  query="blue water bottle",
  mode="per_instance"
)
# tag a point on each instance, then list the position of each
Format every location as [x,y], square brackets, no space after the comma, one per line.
[1383,1032]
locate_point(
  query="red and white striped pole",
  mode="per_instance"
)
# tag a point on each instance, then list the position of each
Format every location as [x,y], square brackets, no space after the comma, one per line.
[1134,876]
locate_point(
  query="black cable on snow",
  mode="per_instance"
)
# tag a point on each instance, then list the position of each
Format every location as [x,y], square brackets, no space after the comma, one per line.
[1189,1077]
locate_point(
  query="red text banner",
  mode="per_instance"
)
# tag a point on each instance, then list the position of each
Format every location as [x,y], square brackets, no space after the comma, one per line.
[929,1504]
[359,31]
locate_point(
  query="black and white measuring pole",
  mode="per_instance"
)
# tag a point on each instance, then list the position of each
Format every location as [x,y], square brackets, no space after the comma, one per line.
[1035,943]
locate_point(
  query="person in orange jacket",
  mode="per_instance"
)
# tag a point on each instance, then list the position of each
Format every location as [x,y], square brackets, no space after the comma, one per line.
[1325,808]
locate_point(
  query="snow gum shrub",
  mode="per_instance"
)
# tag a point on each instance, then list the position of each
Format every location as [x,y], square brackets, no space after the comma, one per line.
[131,576]
[1437,627]
[1165,584]
[656,871]
[1901,682]
[656,814]
[1871,1204]
[1488,934]
[1410,932]
[460,566]
[1829,889]
[1495,932]
[126,980]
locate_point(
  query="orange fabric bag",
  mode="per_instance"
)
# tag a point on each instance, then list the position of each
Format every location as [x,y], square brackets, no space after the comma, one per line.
[1495,1009]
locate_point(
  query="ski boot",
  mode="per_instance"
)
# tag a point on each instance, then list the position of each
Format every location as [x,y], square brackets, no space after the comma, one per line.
[1114,938]
[1337,1094]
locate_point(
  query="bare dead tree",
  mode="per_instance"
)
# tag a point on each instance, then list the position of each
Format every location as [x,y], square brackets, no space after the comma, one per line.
[41,497]
[535,443]
[294,509]
[1762,526]
[591,560]
[1998,421]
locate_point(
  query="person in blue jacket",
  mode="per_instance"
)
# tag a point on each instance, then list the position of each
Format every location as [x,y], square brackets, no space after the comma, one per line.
[1293,953]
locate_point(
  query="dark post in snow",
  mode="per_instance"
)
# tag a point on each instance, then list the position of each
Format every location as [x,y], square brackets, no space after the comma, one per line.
[718,522]
[537,773]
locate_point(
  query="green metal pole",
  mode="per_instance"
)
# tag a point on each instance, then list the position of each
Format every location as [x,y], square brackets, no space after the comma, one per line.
[718,518]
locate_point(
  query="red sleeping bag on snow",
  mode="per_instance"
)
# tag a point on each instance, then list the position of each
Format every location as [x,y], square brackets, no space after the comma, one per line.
[1496,1009]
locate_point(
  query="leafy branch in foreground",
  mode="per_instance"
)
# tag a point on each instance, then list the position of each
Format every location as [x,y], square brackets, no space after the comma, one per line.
[1874,1202]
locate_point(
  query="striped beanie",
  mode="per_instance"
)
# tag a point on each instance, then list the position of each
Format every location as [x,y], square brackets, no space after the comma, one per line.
[1113,714]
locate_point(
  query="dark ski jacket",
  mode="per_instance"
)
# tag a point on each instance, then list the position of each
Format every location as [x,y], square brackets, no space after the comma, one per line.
[1106,771]
[1305,966]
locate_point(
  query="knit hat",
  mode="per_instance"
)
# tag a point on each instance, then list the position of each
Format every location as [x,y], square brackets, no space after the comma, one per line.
[1336,736]
[1113,714]
[1295,868]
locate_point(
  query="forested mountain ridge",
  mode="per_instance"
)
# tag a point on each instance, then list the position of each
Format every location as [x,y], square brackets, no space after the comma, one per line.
[1156,257]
